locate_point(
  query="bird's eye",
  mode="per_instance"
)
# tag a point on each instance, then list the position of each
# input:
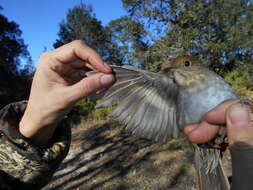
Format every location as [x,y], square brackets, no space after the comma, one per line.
[187,63]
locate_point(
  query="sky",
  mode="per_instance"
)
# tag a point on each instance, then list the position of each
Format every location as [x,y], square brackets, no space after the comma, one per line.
[39,19]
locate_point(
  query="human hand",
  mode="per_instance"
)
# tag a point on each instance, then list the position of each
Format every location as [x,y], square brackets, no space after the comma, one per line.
[57,86]
[235,116]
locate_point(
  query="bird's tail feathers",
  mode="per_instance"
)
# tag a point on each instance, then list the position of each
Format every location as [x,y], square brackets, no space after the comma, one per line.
[213,180]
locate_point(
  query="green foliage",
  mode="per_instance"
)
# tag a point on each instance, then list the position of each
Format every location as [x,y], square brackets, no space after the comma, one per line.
[84,106]
[101,113]
[241,79]
[219,32]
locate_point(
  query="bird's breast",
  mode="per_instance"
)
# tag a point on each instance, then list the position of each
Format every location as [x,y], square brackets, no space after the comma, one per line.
[195,102]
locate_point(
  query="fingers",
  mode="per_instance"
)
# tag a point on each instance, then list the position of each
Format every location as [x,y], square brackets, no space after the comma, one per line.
[209,127]
[78,50]
[89,85]
[240,124]
[237,117]
[217,116]
[201,133]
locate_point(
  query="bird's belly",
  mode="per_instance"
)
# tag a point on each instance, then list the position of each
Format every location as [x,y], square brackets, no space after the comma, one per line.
[193,107]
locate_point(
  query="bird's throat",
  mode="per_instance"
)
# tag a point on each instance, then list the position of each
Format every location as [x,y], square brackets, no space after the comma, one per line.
[190,80]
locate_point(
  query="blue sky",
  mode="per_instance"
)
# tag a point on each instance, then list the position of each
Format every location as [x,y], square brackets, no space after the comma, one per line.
[39,19]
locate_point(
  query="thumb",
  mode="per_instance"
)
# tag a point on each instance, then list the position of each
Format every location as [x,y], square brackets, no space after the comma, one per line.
[239,126]
[90,85]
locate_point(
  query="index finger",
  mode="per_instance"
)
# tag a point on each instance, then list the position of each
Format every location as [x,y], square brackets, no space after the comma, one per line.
[78,50]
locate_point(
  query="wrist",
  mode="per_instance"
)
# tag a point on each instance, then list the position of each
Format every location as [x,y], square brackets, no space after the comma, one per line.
[33,127]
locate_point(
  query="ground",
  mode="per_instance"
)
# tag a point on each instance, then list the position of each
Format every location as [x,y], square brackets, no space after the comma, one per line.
[103,156]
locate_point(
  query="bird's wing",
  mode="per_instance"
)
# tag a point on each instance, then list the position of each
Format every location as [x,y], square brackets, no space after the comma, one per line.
[146,103]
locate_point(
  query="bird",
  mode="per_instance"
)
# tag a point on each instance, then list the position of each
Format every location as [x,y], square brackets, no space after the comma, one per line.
[158,105]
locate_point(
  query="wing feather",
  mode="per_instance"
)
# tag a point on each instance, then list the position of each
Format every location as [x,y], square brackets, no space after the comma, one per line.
[146,103]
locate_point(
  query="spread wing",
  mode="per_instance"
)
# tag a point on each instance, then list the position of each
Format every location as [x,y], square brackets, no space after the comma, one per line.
[146,103]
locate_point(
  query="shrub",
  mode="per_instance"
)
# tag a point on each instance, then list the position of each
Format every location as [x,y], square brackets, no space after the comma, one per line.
[241,79]
[101,113]
[84,106]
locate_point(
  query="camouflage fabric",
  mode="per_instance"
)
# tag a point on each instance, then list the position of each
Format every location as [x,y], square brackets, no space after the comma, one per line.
[22,164]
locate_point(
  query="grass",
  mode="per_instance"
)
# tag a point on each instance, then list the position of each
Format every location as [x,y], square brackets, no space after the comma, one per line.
[103,156]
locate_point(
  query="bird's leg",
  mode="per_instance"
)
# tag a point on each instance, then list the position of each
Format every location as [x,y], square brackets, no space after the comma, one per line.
[220,141]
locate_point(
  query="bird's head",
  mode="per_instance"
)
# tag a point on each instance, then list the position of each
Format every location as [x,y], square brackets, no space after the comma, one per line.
[186,70]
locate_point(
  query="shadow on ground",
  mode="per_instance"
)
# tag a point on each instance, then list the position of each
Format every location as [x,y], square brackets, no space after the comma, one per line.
[103,156]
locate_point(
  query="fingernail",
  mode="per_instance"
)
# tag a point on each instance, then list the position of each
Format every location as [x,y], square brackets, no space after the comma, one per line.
[106,80]
[239,116]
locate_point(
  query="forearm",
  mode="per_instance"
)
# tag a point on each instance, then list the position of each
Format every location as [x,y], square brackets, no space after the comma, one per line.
[23,164]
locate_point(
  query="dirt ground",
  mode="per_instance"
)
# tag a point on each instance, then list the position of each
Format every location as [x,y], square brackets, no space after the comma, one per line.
[102,156]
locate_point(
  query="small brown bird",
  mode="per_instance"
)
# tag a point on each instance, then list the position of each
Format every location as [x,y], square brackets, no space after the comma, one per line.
[157,106]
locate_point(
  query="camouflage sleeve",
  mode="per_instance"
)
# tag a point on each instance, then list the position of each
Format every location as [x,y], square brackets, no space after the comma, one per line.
[22,164]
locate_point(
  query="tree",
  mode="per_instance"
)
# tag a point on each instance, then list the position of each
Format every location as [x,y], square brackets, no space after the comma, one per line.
[129,35]
[81,23]
[220,32]
[12,46]
[14,81]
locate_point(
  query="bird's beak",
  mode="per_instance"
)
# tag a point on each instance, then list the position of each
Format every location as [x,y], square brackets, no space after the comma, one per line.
[166,69]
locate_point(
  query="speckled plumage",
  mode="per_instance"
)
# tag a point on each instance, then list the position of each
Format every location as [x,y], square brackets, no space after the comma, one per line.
[158,105]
